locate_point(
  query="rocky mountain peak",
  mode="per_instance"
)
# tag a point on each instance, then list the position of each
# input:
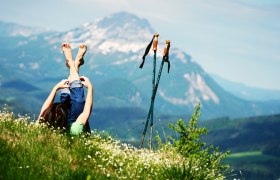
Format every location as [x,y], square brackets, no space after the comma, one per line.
[119,32]
[124,21]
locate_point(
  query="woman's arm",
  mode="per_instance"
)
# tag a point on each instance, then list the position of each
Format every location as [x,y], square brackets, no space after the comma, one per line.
[50,98]
[83,117]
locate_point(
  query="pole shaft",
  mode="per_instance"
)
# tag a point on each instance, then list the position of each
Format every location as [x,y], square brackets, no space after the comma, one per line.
[158,78]
[151,137]
[145,128]
[153,87]
[151,109]
[152,100]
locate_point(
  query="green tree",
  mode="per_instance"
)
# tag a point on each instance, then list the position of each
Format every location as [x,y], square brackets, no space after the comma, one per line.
[189,145]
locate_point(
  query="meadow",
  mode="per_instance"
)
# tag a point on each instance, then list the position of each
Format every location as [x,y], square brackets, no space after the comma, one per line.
[35,151]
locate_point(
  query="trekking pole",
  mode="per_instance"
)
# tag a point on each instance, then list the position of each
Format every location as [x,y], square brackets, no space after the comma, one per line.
[165,58]
[154,42]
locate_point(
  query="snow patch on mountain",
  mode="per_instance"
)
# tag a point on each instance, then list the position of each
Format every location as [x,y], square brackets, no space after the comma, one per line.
[24,31]
[120,46]
[197,91]
[179,101]
[198,85]
[180,55]
[120,62]
[136,98]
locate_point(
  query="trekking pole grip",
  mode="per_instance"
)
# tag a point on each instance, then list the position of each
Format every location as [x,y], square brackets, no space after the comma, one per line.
[166,48]
[155,42]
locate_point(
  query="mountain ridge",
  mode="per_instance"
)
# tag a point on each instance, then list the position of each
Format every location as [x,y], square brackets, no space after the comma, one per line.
[247,92]
[15,29]
[117,55]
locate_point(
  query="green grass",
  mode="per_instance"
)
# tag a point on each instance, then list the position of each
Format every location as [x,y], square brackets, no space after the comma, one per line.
[246,154]
[254,165]
[250,156]
[33,151]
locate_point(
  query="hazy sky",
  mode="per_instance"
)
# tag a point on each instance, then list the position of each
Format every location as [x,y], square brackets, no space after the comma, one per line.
[238,40]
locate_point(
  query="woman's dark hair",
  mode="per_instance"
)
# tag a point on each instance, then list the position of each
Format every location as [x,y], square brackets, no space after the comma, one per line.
[56,116]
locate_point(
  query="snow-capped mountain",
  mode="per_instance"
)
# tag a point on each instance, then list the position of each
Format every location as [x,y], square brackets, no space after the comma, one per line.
[121,32]
[115,47]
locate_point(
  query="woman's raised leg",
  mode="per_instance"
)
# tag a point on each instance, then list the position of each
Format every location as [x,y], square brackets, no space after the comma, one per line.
[79,60]
[74,75]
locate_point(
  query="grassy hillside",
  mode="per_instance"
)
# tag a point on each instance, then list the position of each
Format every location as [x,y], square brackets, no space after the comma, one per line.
[254,143]
[245,134]
[33,151]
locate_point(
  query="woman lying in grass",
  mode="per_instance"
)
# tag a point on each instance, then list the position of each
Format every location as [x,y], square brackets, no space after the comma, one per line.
[73,110]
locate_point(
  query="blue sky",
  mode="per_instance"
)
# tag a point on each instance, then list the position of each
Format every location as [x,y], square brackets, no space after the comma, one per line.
[236,39]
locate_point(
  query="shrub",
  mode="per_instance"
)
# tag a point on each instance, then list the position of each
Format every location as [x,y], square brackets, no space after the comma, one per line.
[188,144]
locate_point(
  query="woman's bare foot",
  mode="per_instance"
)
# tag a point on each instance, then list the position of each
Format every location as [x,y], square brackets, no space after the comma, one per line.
[66,48]
[80,56]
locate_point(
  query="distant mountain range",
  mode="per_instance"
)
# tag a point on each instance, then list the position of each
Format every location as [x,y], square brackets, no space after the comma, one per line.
[115,47]
[13,30]
[246,92]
